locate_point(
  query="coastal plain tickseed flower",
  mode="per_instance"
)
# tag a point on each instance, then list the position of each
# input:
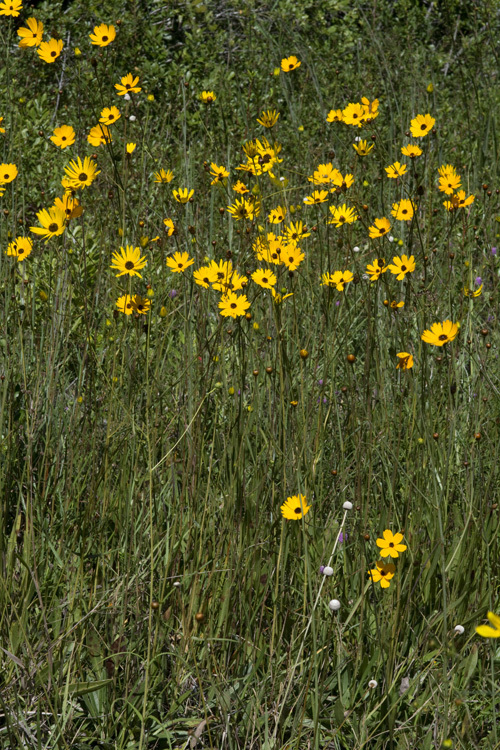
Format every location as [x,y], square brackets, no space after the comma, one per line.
[243,209]
[485,631]
[383,573]
[458,201]
[291,256]
[335,115]
[10,8]
[342,215]
[110,115]
[449,183]
[179,262]
[269,118]
[128,305]
[379,227]
[277,215]
[411,150]
[207,97]
[362,148]
[264,278]
[233,305]
[340,278]
[440,333]
[163,176]
[99,135]
[354,114]
[67,203]
[128,85]
[53,221]
[31,34]
[318,196]
[237,282]
[128,261]
[400,266]
[342,183]
[296,232]
[218,173]
[405,361]
[81,174]
[170,226]
[376,269]
[403,211]
[324,174]
[290,63]
[131,147]
[8,172]
[223,271]
[103,35]
[183,195]
[240,188]
[63,136]
[473,293]
[20,248]
[396,170]
[390,544]
[204,276]
[295,507]
[50,51]
[421,125]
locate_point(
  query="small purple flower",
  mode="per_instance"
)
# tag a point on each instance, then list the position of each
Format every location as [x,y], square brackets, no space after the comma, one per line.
[337,303]
[493,251]
[321,568]
[342,537]
[320,383]
[325,400]
[478,281]
[173,294]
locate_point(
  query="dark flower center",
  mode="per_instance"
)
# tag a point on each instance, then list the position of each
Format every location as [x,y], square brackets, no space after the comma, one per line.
[354,116]
[443,337]
[63,138]
[53,227]
[383,572]
[140,307]
[297,511]
[233,305]
[105,39]
[403,268]
[404,211]
[423,127]
[391,544]
[341,218]
[179,265]
[129,265]
[264,280]
[82,177]
[6,176]
[53,53]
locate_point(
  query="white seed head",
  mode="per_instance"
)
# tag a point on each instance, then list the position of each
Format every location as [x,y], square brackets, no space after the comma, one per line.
[347,505]
[355,249]
[132,118]
[327,571]
[334,605]
[390,238]
[177,584]
[459,629]
[372,684]
[126,97]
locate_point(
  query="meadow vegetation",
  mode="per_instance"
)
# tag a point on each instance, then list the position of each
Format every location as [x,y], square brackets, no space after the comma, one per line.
[249,376]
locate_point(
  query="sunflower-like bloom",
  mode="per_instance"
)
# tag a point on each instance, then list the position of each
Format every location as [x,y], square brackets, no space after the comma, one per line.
[264,278]
[404,210]
[342,215]
[242,209]
[183,195]
[99,135]
[233,305]
[269,118]
[20,248]
[405,361]
[396,170]
[382,573]
[449,183]
[376,269]
[400,266]
[81,174]
[324,174]
[446,169]
[240,188]
[379,228]
[53,223]
[370,108]
[207,97]
[473,292]
[411,150]
[140,304]
[390,544]
[296,232]
[103,35]
[63,136]
[124,304]
[362,148]
[205,276]
[218,173]
[292,256]
[335,115]
[179,262]
[237,282]
[67,203]
[340,279]
[485,631]
[10,8]
[354,114]
[128,261]
[421,124]
[50,51]
[458,201]
[109,115]
[290,63]
[318,196]
[295,507]
[169,226]
[128,85]
[440,333]
[130,147]
[394,305]
[163,176]
[31,34]
[277,215]
[8,172]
